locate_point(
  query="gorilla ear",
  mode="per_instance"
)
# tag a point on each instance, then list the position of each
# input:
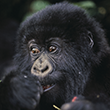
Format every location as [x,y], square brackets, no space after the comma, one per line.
[90,39]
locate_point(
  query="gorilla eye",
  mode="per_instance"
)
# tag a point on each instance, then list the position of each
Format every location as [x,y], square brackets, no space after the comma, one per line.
[35,50]
[52,49]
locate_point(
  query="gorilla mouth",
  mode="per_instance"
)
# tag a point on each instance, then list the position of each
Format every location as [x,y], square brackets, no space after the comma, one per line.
[48,87]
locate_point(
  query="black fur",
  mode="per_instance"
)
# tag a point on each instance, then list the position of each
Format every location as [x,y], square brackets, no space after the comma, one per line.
[80,64]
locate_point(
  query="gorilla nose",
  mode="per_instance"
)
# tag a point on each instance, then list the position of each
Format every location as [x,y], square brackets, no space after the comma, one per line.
[41,68]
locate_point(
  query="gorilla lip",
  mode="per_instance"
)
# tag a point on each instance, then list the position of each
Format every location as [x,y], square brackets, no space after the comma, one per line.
[48,87]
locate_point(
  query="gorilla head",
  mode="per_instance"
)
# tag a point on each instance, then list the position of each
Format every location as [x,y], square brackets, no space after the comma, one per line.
[60,45]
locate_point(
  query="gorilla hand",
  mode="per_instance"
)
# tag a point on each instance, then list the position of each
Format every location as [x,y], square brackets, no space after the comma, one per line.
[26,91]
[78,104]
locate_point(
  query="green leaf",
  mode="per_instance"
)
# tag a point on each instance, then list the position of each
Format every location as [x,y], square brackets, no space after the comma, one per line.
[35,6]
[86,4]
[38,5]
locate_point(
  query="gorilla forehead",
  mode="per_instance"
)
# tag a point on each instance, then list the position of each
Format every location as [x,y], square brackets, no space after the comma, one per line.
[58,20]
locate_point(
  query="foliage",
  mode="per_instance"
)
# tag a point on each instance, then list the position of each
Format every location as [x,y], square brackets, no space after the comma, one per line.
[35,6]
[40,4]
[89,6]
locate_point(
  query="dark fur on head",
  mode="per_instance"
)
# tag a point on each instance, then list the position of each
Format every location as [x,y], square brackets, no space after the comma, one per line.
[67,22]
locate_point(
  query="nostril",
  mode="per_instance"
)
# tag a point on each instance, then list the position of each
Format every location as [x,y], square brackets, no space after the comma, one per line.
[34,68]
[46,68]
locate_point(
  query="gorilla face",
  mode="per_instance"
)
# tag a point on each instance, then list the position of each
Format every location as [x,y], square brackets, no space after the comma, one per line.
[45,59]
[56,63]
[57,45]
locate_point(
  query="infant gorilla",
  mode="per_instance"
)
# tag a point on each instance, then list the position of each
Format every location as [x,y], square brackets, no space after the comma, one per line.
[60,53]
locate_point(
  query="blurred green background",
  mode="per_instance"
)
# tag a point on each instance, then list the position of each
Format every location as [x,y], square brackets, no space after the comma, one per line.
[13,12]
